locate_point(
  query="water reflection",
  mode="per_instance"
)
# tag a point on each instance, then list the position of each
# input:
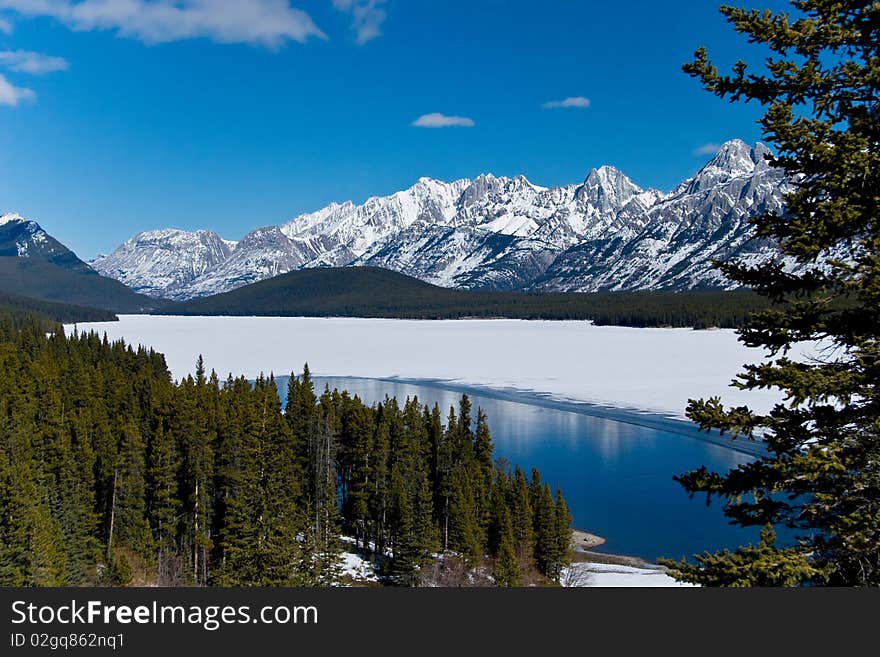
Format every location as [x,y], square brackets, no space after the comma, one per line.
[617,477]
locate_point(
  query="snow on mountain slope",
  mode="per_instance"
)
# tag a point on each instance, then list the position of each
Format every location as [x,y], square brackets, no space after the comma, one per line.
[704,218]
[10,217]
[160,262]
[493,232]
[24,238]
[466,257]
[349,230]
[262,253]
[507,231]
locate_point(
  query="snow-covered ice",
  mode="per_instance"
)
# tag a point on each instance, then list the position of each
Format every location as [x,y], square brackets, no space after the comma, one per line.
[654,370]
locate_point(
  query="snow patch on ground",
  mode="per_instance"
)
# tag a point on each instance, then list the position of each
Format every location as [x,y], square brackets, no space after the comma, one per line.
[653,370]
[610,575]
[358,568]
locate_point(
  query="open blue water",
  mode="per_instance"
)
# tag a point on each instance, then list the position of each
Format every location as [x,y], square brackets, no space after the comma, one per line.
[616,475]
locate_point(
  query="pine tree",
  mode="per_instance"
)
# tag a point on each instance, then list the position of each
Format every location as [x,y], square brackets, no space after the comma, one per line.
[502,545]
[31,542]
[522,519]
[239,489]
[379,502]
[357,430]
[128,526]
[83,546]
[547,552]
[300,409]
[427,537]
[47,564]
[324,496]
[434,428]
[412,525]
[464,526]
[163,504]
[279,523]
[761,565]
[465,432]
[192,426]
[407,555]
[446,460]
[563,535]
[821,476]
[484,471]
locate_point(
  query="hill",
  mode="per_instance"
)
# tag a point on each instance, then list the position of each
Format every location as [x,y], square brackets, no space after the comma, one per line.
[50,282]
[19,308]
[375,292]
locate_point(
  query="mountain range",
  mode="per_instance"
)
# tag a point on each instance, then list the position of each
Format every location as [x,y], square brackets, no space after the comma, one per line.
[493,233]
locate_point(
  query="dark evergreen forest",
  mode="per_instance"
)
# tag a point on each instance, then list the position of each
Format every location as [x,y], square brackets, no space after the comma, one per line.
[113,474]
[375,292]
[21,309]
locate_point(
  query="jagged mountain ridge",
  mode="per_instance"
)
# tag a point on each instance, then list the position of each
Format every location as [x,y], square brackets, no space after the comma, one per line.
[492,232]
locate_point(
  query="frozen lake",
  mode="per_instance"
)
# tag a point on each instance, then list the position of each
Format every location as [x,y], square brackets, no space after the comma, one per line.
[654,370]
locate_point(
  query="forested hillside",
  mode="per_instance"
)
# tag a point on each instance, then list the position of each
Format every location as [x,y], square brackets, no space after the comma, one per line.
[19,309]
[113,474]
[375,292]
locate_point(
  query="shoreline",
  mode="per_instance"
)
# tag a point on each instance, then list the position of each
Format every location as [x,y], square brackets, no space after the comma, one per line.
[583,545]
[581,540]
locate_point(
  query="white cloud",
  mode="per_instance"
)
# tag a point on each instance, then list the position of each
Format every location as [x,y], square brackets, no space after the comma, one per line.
[437,120]
[706,149]
[268,23]
[367,17]
[573,101]
[34,63]
[12,95]
[5,26]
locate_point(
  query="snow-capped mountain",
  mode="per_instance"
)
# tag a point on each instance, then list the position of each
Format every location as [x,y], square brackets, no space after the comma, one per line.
[490,232]
[159,262]
[703,219]
[24,238]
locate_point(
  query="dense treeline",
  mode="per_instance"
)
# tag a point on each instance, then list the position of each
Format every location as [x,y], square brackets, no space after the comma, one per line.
[111,473]
[374,292]
[20,309]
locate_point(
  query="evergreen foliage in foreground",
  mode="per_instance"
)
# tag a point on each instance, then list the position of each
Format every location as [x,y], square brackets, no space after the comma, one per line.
[821,90]
[111,473]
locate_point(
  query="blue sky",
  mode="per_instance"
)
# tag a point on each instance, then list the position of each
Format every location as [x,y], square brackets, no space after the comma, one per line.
[118,116]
